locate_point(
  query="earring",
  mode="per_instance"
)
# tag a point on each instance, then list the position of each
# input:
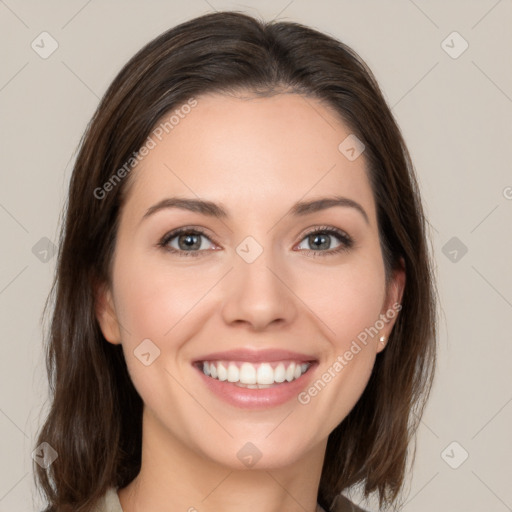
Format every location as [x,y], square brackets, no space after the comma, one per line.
[382,339]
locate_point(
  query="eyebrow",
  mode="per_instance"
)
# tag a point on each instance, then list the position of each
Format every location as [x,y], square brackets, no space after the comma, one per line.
[215,210]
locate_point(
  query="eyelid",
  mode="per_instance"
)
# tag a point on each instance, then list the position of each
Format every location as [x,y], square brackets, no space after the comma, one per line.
[324,227]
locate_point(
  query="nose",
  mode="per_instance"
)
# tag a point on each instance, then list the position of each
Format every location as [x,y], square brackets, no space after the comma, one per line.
[258,294]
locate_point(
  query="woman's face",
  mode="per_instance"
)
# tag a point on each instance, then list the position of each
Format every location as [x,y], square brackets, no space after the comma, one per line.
[248,287]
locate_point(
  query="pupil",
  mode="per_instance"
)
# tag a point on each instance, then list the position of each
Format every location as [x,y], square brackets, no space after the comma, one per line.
[190,241]
[318,239]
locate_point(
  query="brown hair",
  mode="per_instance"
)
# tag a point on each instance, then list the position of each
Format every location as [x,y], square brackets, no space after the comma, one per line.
[95,419]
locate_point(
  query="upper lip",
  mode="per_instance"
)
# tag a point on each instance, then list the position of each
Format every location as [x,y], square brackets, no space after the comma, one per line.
[256,356]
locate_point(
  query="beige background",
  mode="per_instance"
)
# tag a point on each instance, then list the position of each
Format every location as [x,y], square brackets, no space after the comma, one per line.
[455,115]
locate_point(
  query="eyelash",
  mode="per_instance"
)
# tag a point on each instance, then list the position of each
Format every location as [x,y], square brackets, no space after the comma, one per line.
[346,242]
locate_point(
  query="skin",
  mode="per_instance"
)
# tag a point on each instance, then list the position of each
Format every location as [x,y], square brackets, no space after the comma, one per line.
[256,157]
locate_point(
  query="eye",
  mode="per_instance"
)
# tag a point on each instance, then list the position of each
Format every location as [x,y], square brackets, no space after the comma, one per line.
[320,240]
[185,241]
[188,241]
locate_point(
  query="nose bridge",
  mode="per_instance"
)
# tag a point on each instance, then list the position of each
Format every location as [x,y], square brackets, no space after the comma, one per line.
[256,293]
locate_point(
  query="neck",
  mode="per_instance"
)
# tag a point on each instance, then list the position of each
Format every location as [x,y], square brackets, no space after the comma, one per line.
[174,477]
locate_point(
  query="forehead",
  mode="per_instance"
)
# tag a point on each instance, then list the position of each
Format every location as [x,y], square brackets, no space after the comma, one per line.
[251,151]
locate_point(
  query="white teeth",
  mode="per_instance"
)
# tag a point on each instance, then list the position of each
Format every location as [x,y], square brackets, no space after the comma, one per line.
[265,374]
[233,373]
[222,373]
[290,371]
[248,374]
[254,376]
[280,373]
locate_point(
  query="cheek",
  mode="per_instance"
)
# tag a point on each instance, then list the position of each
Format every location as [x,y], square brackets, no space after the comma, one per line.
[152,300]
[155,304]
[347,299]
[163,303]
[166,306]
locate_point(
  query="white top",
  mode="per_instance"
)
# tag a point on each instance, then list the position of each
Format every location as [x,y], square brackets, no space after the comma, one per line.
[110,502]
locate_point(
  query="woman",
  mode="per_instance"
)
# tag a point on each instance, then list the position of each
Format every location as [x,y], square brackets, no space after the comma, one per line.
[244,311]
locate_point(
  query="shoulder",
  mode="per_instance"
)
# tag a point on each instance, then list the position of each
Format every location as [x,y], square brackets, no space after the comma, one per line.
[109,502]
[342,504]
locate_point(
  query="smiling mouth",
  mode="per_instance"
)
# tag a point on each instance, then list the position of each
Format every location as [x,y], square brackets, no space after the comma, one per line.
[254,375]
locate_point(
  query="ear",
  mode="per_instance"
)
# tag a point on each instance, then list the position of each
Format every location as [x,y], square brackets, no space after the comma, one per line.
[393,303]
[106,313]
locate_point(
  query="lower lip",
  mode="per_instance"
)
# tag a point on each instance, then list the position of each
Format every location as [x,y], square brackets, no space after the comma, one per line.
[247,398]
